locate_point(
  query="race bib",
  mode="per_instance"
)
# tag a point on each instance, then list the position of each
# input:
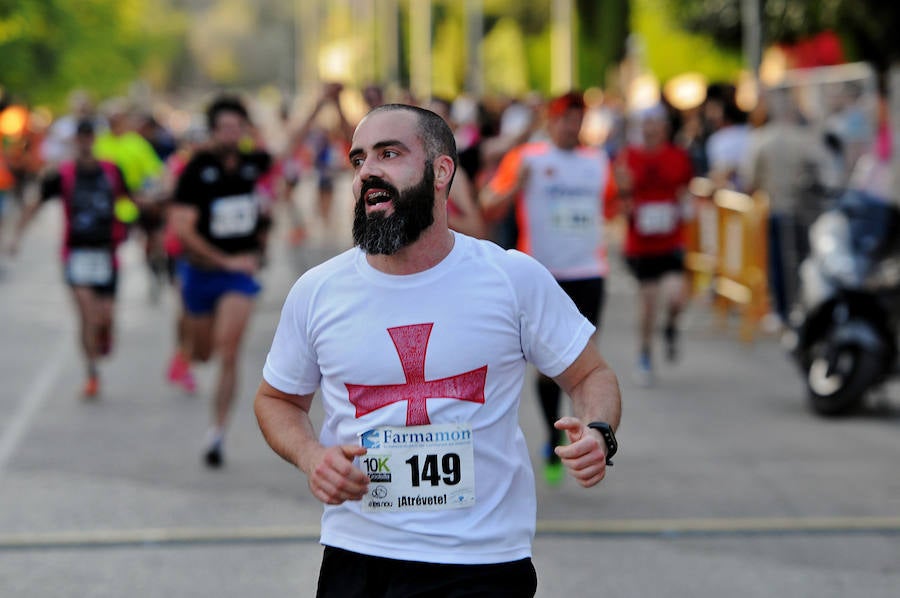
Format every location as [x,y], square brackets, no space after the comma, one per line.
[656,218]
[419,468]
[573,219]
[233,216]
[89,267]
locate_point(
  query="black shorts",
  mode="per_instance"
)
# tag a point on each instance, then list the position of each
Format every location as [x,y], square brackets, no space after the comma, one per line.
[101,290]
[346,574]
[105,289]
[648,268]
[588,295]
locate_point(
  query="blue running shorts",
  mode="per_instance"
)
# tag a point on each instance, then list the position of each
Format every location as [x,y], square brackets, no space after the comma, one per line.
[201,289]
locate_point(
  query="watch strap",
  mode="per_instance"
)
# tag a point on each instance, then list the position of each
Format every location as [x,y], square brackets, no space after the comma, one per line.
[606,431]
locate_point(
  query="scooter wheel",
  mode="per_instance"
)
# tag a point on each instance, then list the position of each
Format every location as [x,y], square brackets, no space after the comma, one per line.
[842,390]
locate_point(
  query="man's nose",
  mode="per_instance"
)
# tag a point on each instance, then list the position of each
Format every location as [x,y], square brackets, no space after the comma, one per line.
[368,169]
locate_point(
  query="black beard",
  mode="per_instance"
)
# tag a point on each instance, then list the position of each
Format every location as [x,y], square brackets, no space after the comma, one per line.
[377,234]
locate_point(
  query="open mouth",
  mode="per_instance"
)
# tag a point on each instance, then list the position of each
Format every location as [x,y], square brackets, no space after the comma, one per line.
[374,197]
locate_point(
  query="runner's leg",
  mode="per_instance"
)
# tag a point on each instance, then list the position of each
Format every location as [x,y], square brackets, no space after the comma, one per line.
[199,336]
[105,328]
[232,315]
[649,293]
[89,317]
[674,292]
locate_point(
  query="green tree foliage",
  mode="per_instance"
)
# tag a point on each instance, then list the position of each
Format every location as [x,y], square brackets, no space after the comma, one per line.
[667,50]
[505,59]
[602,28]
[867,27]
[602,31]
[48,47]
[784,20]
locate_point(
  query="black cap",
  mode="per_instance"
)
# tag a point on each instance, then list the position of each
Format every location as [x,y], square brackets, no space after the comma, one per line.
[84,127]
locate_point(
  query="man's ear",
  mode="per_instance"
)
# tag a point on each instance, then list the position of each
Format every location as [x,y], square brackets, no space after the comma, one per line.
[443,171]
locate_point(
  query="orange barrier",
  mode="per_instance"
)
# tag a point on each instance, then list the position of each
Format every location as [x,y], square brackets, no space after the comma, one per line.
[742,274]
[726,252]
[701,257]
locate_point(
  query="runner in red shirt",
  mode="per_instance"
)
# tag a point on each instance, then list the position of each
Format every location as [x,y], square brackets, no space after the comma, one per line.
[652,179]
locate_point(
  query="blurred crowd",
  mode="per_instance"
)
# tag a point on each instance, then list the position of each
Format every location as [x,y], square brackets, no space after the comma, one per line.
[773,146]
[799,156]
[800,160]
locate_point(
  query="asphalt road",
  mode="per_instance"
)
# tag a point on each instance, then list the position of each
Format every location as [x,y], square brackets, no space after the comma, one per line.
[725,485]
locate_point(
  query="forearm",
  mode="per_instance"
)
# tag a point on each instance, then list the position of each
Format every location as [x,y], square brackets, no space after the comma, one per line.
[299,136]
[345,127]
[285,424]
[202,250]
[287,429]
[494,148]
[597,397]
[495,206]
[184,220]
[469,220]
[593,387]
[594,390]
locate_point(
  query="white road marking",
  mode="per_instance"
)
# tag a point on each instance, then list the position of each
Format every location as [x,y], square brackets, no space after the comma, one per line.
[34,398]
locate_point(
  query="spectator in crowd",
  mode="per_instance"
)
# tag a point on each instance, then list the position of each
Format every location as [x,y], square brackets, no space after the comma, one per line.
[726,145]
[786,160]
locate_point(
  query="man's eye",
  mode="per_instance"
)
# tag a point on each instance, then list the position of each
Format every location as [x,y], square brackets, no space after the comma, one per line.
[356,162]
[390,153]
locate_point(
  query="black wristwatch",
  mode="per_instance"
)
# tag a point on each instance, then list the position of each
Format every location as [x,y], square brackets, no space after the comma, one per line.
[609,437]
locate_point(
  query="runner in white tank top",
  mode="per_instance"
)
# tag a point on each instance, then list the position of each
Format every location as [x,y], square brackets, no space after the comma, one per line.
[562,192]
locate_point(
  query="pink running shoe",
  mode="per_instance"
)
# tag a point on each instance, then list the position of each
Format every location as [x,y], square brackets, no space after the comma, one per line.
[180,375]
[187,382]
[177,368]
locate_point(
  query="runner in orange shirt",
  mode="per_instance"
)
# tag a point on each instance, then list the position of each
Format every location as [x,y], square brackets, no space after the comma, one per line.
[562,192]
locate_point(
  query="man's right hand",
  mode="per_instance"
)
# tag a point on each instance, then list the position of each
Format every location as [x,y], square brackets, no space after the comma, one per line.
[332,477]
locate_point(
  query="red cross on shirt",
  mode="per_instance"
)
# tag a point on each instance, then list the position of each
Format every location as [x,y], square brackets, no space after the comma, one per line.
[411,343]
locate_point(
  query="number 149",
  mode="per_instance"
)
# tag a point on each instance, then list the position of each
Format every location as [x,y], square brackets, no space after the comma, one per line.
[449,469]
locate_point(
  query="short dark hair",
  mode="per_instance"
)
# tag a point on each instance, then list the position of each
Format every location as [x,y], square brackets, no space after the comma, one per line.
[435,133]
[85,126]
[225,103]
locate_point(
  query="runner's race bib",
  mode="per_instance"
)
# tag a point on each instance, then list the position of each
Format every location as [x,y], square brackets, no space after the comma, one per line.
[89,267]
[656,218]
[233,216]
[419,468]
[573,219]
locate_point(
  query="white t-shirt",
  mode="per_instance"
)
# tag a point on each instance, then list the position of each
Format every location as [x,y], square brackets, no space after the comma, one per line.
[344,326]
[562,208]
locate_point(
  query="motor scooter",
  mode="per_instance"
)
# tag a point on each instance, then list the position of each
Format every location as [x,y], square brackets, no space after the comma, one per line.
[847,322]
